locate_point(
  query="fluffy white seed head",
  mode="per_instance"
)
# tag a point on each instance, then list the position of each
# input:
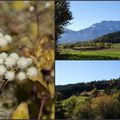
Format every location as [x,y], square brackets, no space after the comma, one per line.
[10,62]
[31,8]
[10,75]
[3,55]
[8,38]
[23,62]
[13,60]
[2,70]
[1,34]
[3,42]
[29,60]
[32,72]
[1,61]
[21,76]
[15,56]
[47,4]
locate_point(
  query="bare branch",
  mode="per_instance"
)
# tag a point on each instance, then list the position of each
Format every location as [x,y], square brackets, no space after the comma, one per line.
[3,85]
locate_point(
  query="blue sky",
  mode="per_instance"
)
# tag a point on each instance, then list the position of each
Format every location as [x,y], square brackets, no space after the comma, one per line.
[84,71]
[86,13]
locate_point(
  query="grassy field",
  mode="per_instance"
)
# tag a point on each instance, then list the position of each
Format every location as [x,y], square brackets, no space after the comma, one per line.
[112,53]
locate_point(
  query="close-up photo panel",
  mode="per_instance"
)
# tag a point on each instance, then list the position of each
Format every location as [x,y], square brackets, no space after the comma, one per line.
[59,59]
[27,60]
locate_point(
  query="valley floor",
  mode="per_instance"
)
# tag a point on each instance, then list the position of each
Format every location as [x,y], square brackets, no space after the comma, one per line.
[104,54]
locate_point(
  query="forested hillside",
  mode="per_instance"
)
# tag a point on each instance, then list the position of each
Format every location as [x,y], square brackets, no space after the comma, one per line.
[97,99]
[75,89]
[110,38]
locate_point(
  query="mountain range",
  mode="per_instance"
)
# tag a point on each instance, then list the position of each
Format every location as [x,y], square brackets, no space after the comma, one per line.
[94,31]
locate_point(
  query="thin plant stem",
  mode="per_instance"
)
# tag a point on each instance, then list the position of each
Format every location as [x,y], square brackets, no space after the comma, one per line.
[42,106]
[3,85]
[37,13]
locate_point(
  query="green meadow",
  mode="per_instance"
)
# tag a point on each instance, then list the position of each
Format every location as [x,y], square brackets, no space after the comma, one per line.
[112,53]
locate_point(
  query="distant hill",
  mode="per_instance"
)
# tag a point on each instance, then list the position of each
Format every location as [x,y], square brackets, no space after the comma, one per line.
[90,33]
[110,38]
[75,89]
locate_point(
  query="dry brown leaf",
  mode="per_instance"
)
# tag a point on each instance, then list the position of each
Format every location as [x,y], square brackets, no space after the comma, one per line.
[21,112]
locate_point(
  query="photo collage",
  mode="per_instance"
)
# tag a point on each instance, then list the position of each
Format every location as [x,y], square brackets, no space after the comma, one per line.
[59,59]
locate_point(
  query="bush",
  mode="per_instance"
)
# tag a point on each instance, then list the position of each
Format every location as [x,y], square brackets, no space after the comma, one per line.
[117,96]
[69,106]
[106,106]
[83,111]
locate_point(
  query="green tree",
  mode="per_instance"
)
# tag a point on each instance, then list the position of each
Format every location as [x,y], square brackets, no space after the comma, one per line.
[83,111]
[62,16]
[100,44]
[59,111]
[108,45]
[69,106]
[117,96]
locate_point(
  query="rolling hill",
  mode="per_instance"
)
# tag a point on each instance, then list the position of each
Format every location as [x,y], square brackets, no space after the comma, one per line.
[110,38]
[75,89]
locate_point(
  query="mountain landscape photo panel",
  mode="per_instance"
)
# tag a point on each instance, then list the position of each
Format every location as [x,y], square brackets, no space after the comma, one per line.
[93,32]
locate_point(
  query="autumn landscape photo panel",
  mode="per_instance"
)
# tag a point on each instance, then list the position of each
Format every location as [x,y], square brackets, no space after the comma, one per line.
[87,90]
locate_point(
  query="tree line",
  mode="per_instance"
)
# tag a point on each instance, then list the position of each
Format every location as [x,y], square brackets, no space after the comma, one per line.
[75,89]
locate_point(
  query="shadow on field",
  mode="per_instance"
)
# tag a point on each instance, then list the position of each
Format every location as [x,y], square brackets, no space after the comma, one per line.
[68,56]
